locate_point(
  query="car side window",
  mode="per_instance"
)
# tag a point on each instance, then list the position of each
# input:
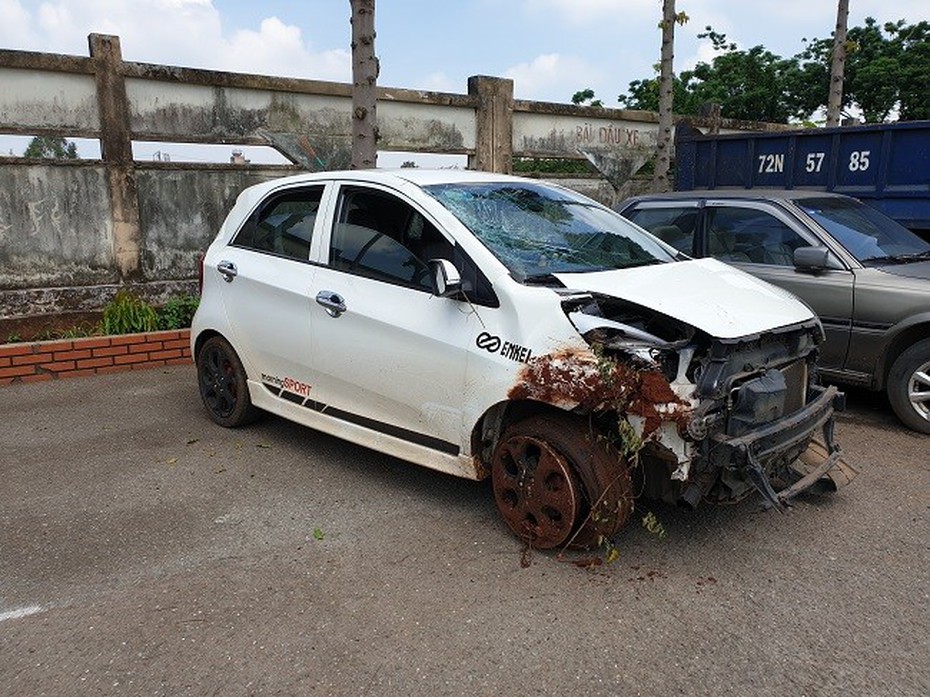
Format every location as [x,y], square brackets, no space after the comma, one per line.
[748,235]
[674,225]
[381,237]
[283,224]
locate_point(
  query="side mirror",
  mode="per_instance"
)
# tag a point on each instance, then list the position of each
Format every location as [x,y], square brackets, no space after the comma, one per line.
[445,277]
[811,258]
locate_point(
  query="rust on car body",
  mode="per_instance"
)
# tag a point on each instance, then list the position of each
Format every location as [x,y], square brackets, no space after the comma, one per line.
[581,380]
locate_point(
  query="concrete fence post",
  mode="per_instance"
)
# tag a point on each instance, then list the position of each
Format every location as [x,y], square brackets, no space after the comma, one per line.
[116,150]
[493,124]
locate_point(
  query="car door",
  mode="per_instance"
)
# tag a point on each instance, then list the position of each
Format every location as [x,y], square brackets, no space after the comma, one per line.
[675,223]
[761,239]
[267,289]
[389,355]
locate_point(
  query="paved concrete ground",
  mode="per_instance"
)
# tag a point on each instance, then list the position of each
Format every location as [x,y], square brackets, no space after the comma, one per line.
[145,551]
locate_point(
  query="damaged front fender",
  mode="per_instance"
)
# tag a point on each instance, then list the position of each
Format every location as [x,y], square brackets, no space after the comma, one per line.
[640,396]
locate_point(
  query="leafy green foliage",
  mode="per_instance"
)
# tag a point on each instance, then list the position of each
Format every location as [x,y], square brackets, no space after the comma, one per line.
[51,148]
[585,97]
[540,165]
[128,314]
[654,525]
[887,69]
[178,312]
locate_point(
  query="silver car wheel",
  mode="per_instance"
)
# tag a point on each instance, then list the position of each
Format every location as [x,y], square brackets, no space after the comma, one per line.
[918,390]
[909,386]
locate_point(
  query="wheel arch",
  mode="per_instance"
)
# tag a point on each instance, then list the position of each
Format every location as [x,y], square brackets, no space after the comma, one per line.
[488,430]
[904,338]
[201,339]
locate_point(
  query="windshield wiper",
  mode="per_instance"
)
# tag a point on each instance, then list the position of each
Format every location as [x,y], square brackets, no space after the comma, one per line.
[899,258]
[540,279]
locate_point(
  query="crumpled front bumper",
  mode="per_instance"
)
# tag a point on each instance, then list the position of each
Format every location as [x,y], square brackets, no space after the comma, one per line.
[783,441]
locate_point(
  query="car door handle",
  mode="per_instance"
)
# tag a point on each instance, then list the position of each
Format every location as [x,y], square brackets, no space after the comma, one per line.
[331,302]
[227,270]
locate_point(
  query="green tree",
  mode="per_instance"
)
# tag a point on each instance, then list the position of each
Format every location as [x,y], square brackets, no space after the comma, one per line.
[585,97]
[887,71]
[51,148]
[904,51]
[748,84]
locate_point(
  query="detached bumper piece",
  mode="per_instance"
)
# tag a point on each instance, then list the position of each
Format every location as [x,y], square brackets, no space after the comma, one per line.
[790,445]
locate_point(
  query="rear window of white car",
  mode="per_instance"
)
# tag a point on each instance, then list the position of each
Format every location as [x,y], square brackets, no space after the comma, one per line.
[283,224]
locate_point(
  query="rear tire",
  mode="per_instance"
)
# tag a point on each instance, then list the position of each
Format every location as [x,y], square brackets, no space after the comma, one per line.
[909,386]
[223,386]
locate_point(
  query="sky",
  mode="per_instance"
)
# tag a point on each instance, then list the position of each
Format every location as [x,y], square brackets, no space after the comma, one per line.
[550,48]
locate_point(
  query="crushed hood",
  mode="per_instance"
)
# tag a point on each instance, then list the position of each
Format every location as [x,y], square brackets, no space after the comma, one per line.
[705,293]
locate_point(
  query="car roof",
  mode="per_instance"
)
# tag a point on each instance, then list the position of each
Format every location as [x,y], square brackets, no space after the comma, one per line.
[395,178]
[413,175]
[741,194]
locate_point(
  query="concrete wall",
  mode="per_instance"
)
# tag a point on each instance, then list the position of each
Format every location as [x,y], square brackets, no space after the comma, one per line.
[72,233]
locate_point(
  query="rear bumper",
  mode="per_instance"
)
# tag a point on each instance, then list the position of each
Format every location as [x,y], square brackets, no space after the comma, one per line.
[772,447]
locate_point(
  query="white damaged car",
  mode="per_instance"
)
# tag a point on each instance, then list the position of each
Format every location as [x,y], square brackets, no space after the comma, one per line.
[486,325]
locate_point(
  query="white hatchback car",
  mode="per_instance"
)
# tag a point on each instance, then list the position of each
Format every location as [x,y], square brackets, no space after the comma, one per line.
[482,324]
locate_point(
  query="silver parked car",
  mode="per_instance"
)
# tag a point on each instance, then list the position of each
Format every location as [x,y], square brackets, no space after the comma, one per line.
[866,276]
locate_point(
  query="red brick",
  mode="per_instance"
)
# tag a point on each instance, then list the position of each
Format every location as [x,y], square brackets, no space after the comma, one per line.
[33,358]
[164,336]
[111,351]
[179,343]
[179,361]
[125,339]
[95,362]
[5,362]
[78,374]
[17,371]
[147,346]
[92,343]
[15,350]
[164,355]
[72,355]
[58,366]
[130,358]
[38,377]
[52,346]
[6,381]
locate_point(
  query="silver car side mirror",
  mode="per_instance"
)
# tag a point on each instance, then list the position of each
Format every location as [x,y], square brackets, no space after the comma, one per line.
[811,258]
[445,277]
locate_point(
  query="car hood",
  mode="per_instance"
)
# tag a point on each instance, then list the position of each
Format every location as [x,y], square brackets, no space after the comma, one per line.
[919,269]
[705,293]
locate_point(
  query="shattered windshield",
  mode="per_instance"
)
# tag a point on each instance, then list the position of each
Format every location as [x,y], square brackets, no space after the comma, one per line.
[868,234]
[537,230]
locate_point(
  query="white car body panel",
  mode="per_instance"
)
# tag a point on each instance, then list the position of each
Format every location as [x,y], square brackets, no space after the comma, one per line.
[413,375]
[706,293]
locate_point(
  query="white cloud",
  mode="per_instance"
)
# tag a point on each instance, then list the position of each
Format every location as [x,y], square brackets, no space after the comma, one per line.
[581,12]
[14,23]
[437,82]
[279,49]
[552,77]
[173,32]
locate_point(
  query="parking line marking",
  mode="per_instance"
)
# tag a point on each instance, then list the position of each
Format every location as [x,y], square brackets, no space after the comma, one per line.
[21,612]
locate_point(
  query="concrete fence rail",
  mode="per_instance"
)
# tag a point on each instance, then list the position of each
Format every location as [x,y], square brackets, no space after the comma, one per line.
[73,232]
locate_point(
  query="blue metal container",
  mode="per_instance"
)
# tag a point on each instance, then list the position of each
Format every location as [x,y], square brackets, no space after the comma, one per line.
[885,165]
